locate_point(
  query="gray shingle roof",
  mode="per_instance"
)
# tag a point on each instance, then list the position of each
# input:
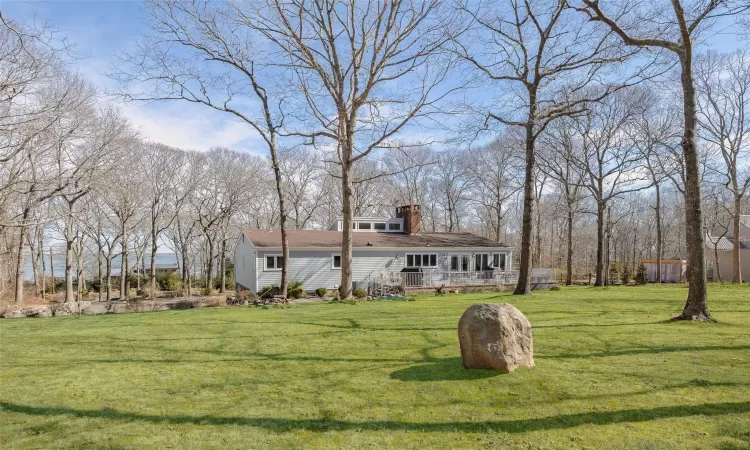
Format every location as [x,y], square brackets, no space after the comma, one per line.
[323,239]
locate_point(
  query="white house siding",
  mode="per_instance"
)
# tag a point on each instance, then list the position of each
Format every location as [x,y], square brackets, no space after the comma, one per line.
[726,265]
[244,265]
[314,268]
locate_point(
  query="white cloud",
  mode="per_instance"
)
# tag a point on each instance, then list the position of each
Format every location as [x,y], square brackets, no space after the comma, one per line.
[192,127]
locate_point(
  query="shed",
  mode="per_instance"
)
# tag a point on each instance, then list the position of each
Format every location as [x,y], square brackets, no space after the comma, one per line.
[672,270]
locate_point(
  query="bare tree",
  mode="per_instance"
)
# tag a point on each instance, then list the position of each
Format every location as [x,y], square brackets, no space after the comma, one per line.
[222,35]
[673,26]
[608,159]
[495,171]
[723,87]
[351,65]
[557,160]
[553,63]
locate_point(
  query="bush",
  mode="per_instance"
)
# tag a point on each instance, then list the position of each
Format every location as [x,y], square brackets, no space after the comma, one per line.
[245,296]
[295,290]
[206,291]
[84,292]
[359,293]
[554,288]
[321,292]
[614,272]
[268,291]
[641,276]
[626,274]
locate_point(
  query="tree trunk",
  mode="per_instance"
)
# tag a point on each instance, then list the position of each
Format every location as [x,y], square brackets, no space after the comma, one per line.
[109,277]
[736,269]
[696,305]
[123,266]
[210,266]
[35,252]
[569,262]
[100,250]
[52,270]
[222,266]
[345,289]
[717,271]
[20,260]
[524,270]
[599,281]
[658,234]
[68,260]
[152,274]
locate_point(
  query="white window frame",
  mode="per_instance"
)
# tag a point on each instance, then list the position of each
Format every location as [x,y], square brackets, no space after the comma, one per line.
[276,262]
[505,257]
[333,257]
[406,260]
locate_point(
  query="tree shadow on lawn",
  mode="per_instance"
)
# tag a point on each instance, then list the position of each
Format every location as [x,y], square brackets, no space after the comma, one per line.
[645,351]
[279,425]
[447,369]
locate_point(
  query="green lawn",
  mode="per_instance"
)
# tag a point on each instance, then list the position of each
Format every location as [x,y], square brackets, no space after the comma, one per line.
[611,373]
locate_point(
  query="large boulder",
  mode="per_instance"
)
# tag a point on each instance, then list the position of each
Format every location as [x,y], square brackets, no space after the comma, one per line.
[30,311]
[495,336]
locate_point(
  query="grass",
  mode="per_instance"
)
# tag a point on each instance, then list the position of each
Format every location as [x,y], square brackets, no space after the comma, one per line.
[611,373]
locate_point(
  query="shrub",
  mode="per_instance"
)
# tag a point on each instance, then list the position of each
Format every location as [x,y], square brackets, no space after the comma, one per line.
[245,296]
[626,274]
[172,282]
[295,290]
[359,293]
[614,272]
[321,292]
[554,288]
[268,291]
[641,276]
[206,291]
[84,292]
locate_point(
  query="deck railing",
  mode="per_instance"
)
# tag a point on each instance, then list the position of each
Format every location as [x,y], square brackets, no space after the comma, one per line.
[473,278]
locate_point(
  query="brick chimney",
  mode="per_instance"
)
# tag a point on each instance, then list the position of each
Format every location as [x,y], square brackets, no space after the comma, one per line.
[412,215]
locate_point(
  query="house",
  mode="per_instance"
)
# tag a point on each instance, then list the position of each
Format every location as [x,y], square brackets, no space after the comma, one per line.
[719,252]
[383,248]
[672,270]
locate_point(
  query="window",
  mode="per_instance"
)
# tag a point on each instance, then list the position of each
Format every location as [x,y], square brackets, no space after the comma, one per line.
[335,261]
[394,226]
[379,225]
[274,262]
[354,225]
[498,261]
[365,226]
[421,260]
[481,262]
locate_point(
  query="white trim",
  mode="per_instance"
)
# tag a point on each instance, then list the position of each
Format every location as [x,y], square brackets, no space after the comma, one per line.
[333,267]
[276,261]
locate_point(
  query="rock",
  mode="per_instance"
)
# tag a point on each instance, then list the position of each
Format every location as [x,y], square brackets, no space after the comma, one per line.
[71,308]
[30,311]
[495,336]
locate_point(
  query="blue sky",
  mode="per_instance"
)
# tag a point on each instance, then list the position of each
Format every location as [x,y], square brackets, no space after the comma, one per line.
[104,29]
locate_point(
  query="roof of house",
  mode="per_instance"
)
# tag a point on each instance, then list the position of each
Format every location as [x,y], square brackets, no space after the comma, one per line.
[724,243]
[327,239]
